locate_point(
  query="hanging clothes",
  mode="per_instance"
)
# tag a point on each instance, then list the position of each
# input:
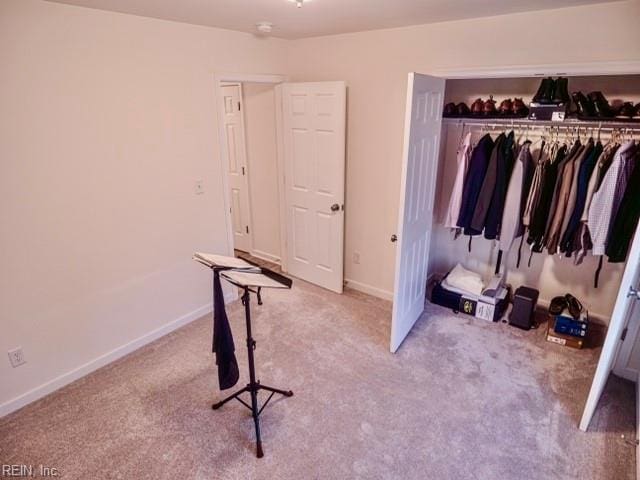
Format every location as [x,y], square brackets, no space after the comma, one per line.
[504,165]
[541,213]
[473,183]
[511,217]
[582,184]
[607,199]
[582,240]
[488,186]
[463,157]
[563,190]
[626,221]
[536,184]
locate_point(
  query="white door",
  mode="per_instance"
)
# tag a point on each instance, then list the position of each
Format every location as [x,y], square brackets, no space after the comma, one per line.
[237,172]
[627,296]
[313,122]
[423,119]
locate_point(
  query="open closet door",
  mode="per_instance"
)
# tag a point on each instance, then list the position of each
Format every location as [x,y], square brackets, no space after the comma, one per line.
[313,124]
[423,120]
[627,295]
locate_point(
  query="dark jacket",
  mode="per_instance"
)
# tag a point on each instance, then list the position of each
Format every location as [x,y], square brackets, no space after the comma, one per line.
[488,187]
[626,220]
[473,183]
[505,161]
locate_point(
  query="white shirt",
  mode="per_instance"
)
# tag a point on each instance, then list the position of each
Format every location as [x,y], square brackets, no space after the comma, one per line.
[464,154]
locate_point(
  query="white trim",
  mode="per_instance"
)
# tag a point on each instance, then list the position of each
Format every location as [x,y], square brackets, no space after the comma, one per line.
[265,256]
[98,362]
[564,69]
[369,289]
[281,178]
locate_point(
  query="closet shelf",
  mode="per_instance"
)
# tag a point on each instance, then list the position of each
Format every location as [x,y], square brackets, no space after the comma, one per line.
[568,123]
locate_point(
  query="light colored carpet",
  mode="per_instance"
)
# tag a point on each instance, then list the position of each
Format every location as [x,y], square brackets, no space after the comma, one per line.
[462,399]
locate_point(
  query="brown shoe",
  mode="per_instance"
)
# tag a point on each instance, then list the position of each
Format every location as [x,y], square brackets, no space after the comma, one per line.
[519,108]
[477,107]
[506,106]
[489,107]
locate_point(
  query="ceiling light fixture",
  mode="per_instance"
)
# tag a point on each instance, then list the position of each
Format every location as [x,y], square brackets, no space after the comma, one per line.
[264,27]
[299,3]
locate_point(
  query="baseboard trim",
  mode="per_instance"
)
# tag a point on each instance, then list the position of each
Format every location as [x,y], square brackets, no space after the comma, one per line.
[265,256]
[79,372]
[369,290]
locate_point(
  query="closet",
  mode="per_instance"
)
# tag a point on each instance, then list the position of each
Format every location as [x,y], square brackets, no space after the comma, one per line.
[426,248]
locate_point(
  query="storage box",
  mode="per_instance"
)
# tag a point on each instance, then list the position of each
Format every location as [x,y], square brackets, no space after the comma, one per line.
[562,339]
[548,112]
[490,309]
[569,326]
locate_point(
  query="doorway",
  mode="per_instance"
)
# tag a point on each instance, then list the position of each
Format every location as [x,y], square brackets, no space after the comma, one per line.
[283,151]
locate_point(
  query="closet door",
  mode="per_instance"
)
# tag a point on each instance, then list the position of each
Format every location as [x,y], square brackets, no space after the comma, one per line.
[423,121]
[627,296]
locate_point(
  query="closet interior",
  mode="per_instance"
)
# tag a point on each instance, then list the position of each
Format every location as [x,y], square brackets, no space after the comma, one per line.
[555,273]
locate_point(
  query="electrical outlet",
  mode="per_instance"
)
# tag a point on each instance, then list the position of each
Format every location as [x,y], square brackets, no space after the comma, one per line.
[356,257]
[16,357]
[199,187]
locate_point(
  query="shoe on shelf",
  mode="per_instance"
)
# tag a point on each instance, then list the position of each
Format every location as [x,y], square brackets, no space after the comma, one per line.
[449,110]
[636,115]
[518,108]
[545,92]
[477,107]
[602,107]
[462,110]
[489,107]
[561,91]
[506,106]
[627,111]
[584,105]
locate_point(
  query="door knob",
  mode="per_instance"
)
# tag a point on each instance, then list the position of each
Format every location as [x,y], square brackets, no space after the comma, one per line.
[335,207]
[394,238]
[633,293]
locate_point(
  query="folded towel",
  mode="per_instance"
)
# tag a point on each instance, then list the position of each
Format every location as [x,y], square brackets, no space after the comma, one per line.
[463,279]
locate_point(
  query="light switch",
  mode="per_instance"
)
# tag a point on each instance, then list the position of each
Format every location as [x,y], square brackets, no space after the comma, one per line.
[199,187]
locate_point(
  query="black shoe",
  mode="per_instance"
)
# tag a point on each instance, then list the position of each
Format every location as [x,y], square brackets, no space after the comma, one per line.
[627,111]
[603,109]
[449,110]
[462,110]
[561,92]
[637,111]
[545,91]
[584,106]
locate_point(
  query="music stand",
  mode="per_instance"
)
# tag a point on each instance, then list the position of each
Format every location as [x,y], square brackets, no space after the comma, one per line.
[251,279]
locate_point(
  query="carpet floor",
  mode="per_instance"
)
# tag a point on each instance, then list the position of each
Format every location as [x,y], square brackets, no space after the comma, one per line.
[461,399]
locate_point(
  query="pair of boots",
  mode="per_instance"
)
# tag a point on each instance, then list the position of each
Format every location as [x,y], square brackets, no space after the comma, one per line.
[552,91]
[593,105]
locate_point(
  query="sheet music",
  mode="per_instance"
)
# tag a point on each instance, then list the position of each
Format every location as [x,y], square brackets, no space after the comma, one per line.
[211,259]
[251,279]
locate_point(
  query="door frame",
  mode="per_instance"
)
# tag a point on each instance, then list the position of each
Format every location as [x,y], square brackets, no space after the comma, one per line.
[218,80]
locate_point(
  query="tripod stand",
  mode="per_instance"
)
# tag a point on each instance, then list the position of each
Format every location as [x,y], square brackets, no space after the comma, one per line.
[254,385]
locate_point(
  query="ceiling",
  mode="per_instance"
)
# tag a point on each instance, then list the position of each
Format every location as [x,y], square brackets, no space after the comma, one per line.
[320,17]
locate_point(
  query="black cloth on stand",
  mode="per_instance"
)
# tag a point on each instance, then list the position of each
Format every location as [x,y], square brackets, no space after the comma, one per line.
[506,158]
[223,345]
[626,220]
[473,183]
[541,214]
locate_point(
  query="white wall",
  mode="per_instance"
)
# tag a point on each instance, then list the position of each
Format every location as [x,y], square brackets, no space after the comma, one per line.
[107,120]
[375,65]
[260,130]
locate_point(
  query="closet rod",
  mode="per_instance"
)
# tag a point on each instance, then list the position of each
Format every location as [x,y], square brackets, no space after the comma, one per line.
[533,124]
